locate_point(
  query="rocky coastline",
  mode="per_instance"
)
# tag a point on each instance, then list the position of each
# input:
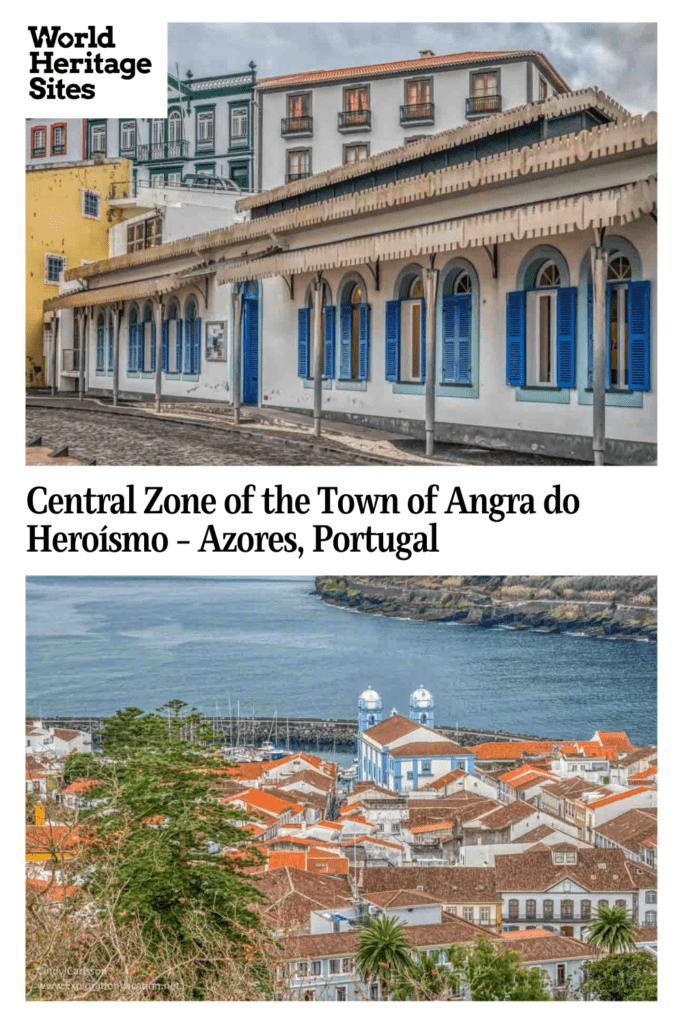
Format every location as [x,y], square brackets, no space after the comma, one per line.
[608,607]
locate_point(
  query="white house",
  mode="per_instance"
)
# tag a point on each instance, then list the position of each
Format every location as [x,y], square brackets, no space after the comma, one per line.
[314,120]
[444,289]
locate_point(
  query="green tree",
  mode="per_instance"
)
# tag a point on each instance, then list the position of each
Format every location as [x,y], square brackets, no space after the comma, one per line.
[612,931]
[383,951]
[425,979]
[621,977]
[495,974]
[152,847]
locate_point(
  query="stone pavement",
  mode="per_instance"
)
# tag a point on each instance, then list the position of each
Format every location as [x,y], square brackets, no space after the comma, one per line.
[203,433]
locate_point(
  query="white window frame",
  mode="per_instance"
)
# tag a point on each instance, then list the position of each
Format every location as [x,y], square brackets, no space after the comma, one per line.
[533,354]
[620,286]
[175,118]
[85,192]
[97,130]
[407,340]
[54,256]
[206,120]
[128,131]
[239,114]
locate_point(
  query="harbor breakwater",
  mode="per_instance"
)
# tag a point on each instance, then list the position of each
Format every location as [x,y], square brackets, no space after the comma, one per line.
[298,733]
[610,607]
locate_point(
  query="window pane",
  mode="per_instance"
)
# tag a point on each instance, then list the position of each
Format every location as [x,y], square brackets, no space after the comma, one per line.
[544,338]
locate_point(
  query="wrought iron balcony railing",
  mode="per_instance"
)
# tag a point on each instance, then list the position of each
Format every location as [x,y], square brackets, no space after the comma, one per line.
[301,125]
[483,105]
[354,120]
[422,113]
[297,175]
[163,150]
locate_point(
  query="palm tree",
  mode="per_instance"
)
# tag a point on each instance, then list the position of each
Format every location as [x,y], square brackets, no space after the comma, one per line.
[383,950]
[612,931]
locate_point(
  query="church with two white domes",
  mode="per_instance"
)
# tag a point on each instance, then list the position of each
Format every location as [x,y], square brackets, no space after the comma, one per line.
[403,754]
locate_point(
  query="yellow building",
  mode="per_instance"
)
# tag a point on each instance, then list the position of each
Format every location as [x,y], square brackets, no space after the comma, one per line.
[67,222]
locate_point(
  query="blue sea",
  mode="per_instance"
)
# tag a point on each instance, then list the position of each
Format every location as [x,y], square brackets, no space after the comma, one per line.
[96,644]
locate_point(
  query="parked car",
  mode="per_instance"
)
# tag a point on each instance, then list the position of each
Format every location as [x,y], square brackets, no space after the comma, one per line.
[211,182]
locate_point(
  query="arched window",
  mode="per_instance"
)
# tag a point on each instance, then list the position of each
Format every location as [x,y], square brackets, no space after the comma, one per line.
[172,339]
[148,338]
[618,276]
[406,331]
[133,346]
[456,333]
[193,337]
[355,322]
[541,323]
[100,366]
[175,133]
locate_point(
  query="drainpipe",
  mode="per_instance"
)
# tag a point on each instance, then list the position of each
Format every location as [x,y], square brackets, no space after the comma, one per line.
[317,356]
[599,269]
[237,299]
[429,279]
[115,378]
[81,354]
[55,338]
[158,325]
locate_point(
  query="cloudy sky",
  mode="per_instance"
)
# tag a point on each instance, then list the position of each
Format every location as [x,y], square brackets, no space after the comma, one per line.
[620,58]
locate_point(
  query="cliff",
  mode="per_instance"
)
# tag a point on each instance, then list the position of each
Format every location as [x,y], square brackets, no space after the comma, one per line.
[613,607]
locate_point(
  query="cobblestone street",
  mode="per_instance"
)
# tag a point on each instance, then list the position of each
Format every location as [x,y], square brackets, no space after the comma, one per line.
[132,441]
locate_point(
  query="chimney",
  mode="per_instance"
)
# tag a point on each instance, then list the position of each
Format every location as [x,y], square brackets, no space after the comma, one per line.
[427,53]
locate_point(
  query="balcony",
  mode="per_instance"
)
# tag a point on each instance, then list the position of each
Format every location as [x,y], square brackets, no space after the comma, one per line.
[354,121]
[296,126]
[476,106]
[297,175]
[163,150]
[417,113]
[71,360]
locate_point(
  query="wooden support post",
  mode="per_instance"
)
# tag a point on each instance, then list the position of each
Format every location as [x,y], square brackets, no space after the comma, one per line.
[115,371]
[83,343]
[429,279]
[53,353]
[318,353]
[600,342]
[237,301]
[158,325]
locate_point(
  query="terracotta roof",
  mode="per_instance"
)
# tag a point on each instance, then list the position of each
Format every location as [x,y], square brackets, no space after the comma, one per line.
[450,885]
[55,892]
[647,774]
[632,828]
[329,767]
[313,778]
[401,898]
[535,834]
[323,865]
[415,64]
[646,935]
[350,807]
[292,894]
[511,750]
[371,839]
[441,783]
[81,786]
[392,728]
[534,871]
[45,838]
[248,770]
[368,789]
[357,819]
[542,946]
[319,844]
[437,826]
[618,740]
[328,824]
[638,755]
[260,800]
[507,815]
[618,796]
[422,936]
[589,749]
[429,748]
[517,778]
[66,734]
[573,787]
[286,859]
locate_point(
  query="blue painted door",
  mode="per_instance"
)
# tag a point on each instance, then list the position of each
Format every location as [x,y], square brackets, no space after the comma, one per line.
[250,352]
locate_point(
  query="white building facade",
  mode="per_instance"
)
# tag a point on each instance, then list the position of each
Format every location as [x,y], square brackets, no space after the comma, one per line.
[316,120]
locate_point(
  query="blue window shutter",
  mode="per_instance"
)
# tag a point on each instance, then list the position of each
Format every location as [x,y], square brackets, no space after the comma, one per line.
[329,322]
[449,323]
[589,336]
[363,340]
[110,364]
[141,346]
[463,339]
[423,340]
[393,340]
[153,346]
[304,342]
[131,347]
[187,354]
[164,346]
[197,345]
[516,338]
[345,322]
[178,345]
[638,300]
[566,337]
[100,348]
